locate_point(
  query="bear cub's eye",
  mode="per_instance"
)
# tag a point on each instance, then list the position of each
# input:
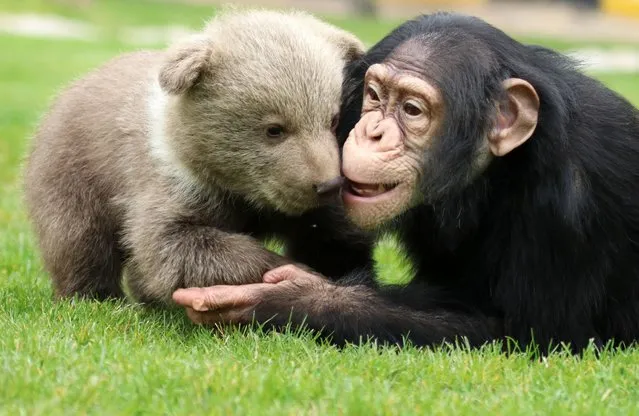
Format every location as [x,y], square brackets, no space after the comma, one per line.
[275,131]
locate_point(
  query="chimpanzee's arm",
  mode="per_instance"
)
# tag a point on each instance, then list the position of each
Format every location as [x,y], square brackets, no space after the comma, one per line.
[354,313]
[344,312]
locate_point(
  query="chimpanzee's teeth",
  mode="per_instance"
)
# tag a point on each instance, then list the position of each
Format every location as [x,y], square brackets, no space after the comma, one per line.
[367,190]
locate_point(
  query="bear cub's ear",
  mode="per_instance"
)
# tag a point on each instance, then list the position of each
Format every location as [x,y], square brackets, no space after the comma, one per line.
[184,64]
[351,47]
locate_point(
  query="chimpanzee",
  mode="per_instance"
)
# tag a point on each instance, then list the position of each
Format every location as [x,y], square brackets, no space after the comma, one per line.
[513,181]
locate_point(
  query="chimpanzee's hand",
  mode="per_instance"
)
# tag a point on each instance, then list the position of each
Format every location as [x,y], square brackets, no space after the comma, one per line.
[284,289]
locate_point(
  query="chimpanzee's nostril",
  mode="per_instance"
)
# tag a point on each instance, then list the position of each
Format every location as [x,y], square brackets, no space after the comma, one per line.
[329,187]
[377,138]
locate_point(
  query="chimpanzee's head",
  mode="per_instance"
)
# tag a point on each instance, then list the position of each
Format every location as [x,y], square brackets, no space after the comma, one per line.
[436,108]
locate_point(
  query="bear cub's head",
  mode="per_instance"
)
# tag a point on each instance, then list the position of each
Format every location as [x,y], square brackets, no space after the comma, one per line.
[250,106]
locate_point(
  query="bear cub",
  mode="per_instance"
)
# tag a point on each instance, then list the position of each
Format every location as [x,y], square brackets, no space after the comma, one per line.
[169,166]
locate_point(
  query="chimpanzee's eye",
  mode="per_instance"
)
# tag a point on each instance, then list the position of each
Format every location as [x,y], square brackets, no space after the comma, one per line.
[372,94]
[412,110]
[275,131]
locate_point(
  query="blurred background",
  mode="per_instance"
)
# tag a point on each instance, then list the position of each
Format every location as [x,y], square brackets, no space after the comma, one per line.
[561,20]
[155,22]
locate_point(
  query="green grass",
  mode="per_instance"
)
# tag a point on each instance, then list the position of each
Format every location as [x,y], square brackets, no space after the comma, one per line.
[110,358]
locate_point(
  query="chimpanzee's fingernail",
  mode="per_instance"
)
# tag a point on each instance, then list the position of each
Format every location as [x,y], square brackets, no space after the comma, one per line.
[200,305]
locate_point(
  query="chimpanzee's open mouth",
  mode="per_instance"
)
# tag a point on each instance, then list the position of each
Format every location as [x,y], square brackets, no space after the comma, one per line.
[366,190]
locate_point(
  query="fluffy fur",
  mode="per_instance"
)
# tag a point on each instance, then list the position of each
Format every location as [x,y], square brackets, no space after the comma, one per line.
[160,162]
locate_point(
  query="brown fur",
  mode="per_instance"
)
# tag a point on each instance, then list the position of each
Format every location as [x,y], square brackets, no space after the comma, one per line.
[158,162]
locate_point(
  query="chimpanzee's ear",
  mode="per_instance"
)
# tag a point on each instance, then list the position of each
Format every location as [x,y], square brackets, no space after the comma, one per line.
[184,64]
[517,114]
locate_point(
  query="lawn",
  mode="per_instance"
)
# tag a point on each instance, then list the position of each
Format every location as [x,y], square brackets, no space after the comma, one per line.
[113,358]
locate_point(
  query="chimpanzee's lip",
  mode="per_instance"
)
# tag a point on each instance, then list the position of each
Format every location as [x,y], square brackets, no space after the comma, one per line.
[368,190]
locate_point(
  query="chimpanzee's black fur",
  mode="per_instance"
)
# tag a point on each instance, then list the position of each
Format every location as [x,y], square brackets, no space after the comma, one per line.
[544,244]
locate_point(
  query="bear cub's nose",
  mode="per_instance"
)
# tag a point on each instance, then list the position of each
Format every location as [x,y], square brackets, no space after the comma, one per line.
[329,190]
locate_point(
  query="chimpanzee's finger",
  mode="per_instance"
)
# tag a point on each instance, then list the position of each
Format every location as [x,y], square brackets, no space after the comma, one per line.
[186,297]
[218,297]
[194,316]
[279,274]
[287,272]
